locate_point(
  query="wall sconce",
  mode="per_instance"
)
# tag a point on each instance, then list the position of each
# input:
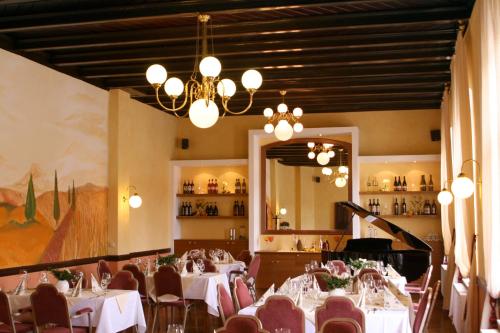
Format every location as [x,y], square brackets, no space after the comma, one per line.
[134,201]
[462,187]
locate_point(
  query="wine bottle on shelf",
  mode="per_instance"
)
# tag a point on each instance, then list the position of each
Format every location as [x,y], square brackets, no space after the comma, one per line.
[430,186]
[403,207]
[244,187]
[184,187]
[370,206]
[377,208]
[208,210]
[400,187]
[433,208]
[427,208]
[216,187]
[237,187]
[181,209]
[423,185]
[190,209]
[396,207]
[209,186]
[216,210]
[192,186]
[404,186]
[395,184]
[241,209]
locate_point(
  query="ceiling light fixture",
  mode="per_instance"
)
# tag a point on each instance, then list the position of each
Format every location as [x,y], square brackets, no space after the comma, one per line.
[322,151]
[284,120]
[340,176]
[462,187]
[200,92]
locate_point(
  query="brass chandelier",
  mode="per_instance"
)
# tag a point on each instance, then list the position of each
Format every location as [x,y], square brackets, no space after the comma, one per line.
[283,120]
[340,176]
[201,92]
[322,151]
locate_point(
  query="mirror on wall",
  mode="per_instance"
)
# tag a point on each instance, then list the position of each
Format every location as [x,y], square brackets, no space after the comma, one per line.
[302,180]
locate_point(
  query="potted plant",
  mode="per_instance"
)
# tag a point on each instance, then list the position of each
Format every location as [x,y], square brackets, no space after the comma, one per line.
[336,284]
[166,260]
[357,265]
[63,277]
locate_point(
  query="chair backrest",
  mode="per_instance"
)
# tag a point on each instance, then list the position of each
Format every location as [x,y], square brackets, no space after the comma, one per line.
[321,279]
[124,280]
[339,307]
[225,302]
[433,302]
[427,278]
[103,267]
[209,266]
[5,311]
[422,312]
[242,324]
[50,307]
[245,256]
[341,267]
[139,276]
[340,325]
[242,295]
[253,268]
[281,312]
[168,281]
[364,271]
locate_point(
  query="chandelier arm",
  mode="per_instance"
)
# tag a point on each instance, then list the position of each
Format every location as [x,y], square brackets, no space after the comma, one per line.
[174,109]
[250,102]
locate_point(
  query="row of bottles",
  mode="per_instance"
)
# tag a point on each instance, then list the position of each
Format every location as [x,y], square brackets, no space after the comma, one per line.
[399,209]
[188,187]
[240,187]
[424,186]
[186,209]
[430,209]
[374,207]
[238,209]
[213,186]
[400,186]
[211,209]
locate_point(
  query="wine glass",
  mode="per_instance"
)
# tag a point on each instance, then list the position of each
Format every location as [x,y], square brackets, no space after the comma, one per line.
[201,265]
[105,281]
[43,278]
[307,268]
[314,264]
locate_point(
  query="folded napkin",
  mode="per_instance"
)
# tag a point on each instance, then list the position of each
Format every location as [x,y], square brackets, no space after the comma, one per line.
[184,256]
[196,269]
[77,290]
[315,284]
[298,299]
[21,286]
[95,285]
[285,286]
[184,271]
[324,266]
[391,272]
[269,292]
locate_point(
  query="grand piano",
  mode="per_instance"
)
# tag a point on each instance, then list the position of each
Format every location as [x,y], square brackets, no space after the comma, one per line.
[411,262]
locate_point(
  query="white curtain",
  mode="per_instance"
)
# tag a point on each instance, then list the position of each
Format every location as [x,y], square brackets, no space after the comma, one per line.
[488,18]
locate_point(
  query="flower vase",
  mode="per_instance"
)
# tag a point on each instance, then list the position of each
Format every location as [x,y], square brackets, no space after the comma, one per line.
[337,292]
[62,286]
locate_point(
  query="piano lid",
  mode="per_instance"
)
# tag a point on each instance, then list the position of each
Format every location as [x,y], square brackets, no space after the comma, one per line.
[387,226]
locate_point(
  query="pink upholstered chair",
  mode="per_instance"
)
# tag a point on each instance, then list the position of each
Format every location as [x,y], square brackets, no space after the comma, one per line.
[242,295]
[340,325]
[375,277]
[7,322]
[364,271]
[433,302]
[124,280]
[244,256]
[339,307]
[103,267]
[225,303]
[209,266]
[281,312]
[142,288]
[251,275]
[340,265]
[423,312]
[51,314]
[168,289]
[320,278]
[242,324]
[418,288]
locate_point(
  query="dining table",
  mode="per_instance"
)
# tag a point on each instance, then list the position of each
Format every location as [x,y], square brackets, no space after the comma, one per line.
[112,310]
[393,314]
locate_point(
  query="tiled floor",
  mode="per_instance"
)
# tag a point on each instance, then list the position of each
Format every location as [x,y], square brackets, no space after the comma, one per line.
[200,322]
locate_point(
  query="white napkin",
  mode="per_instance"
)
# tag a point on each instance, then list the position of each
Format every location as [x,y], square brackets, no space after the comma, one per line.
[184,271]
[184,256]
[196,269]
[77,290]
[298,300]
[315,284]
[21,286]
[269,292]
[95,285]
[324,266]
[391,272]
[285,286]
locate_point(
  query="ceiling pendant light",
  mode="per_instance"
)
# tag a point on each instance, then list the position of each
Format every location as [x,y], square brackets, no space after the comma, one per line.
[322,151]
[201,91]
[284,118]
[340,176]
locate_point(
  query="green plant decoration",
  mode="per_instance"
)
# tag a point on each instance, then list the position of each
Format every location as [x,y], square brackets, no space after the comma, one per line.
[30,207]
[335,282]
[357,264]
[62,275]
[57,209]
[166,260]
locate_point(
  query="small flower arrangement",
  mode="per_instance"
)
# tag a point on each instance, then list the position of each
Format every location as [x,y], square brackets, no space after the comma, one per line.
[62,275]
[357,264]
[166,260]
[336,282]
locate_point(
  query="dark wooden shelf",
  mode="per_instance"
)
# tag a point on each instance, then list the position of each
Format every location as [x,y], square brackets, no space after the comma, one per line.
[411,216]
[211,217]
[182,195]
[398,192]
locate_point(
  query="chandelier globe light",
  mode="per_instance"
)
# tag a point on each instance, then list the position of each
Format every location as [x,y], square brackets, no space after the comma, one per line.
[340,176]
[200,92]
[323,152]
[445,197]
[462,186]
[286,122]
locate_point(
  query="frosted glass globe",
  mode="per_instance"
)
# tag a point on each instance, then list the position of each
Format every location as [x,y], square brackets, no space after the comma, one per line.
[297,112]
[445,197]
[326,171]
[268,112]
[310,145]
[282,108]
[462,187]
[156,74]
[268,128]
[251,79]
[298,127]
[340,182]
[311,155]
[283,130]
[323,158]
[283,211]
[343,169]
[226,87]
[331,154]
[210,66]
[203,116]
[174,87]
[135,201]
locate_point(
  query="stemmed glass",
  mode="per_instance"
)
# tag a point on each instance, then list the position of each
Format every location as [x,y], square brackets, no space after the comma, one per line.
[201,265]
[175,328]
[105,281]
[307,268]
[43,278]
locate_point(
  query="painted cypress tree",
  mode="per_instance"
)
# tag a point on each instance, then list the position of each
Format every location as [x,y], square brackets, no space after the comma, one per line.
[69,195]
[73,197]
[30,207]
[57,209]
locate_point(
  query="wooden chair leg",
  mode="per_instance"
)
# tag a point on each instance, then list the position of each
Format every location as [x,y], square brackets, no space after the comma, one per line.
[154,317]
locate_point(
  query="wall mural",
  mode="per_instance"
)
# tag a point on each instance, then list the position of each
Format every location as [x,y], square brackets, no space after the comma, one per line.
[53,165]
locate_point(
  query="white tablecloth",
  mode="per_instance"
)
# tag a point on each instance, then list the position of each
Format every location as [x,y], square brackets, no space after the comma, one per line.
[457,305]
[203,287]
[226,268]
[444,274]
[113,312]
[399,282]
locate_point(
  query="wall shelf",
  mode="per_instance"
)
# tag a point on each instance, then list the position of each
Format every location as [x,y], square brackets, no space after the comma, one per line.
[411,216]
[211,217]
[196,195]
[398,192]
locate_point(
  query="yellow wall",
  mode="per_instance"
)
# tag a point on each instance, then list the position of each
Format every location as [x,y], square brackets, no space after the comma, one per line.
[381,133]
[142,142]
